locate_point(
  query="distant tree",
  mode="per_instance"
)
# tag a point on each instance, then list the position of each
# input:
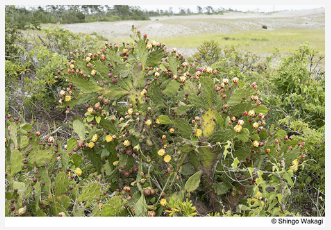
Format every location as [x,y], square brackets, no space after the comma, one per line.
[171,11]
[209,9]
[200,10]
[182,12]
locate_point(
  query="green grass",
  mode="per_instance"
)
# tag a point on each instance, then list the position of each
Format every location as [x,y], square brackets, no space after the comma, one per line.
[287,41]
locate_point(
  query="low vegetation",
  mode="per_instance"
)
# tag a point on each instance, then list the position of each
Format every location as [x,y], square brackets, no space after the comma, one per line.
[135,128]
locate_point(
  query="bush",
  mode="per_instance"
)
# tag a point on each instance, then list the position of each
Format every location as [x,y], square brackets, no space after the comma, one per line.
[156,132]
[264,27]
[31,77]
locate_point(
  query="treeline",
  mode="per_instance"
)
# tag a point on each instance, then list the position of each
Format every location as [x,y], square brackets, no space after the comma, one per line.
[23,16]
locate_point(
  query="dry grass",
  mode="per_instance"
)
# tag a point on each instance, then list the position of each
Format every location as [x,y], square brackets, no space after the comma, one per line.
[287,41]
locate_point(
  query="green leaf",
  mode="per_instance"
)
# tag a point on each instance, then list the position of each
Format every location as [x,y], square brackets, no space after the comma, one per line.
[37,192]
[81,99]
[287,177]
[183,127]
[16,163]
[105,153]
[243,135]
[263,134]
[226,123]
[207,92]
[20,186]
[250,170]
[220,188]
[65,201]
[193,182]
[57,208]
[240,108]
[271,196]
[112,207]
[237,96]
[61,184]
[45,179]
[241,153]
[281,134]
[108,125]
[275,211]
[165,120]
[280,197]
[207,121]
[235,163]
[86,86]
[13,133]
[76,159]
[242,207]
[41,157]
[126,160]
[90,192]
[272,204]
[187,169]
[79,128]
[172,88]
[115,91]
[26,127]
[241,84]
[173,64]
[89,118]
[183,108]
[94,158]
[197,101]
[71,144]
[226,148]
[261,109]
[255,137]
[222,135]
[24,142]
[219,120]
[141,207]
[142,52]
[97,119]
[155,58]
[206,156]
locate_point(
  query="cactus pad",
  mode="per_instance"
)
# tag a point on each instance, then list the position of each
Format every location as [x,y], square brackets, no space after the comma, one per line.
[46,188]
[90,192]
[13,133]
[64,201]
[41,157]
[61,184]
[208,124]
[16,163]
[113,207]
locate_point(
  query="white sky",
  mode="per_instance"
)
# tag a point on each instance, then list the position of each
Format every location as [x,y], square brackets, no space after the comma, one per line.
[253,5]
[262,8]
[193,8]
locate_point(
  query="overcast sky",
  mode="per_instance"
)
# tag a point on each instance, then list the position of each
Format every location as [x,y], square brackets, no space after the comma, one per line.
[153,5]
[261,8]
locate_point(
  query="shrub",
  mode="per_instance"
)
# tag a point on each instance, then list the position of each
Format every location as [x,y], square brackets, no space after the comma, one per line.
[169,112]
[160,130]
[264,27]
[298,88]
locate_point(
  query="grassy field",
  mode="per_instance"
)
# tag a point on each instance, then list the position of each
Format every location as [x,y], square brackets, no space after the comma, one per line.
[287,41]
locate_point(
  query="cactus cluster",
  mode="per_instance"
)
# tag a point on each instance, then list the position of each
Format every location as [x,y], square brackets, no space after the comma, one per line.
[150,118]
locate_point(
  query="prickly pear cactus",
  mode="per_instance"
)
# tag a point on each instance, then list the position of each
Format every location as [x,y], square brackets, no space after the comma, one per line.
[113,207]
[154,124]
[61,184]
[90,192]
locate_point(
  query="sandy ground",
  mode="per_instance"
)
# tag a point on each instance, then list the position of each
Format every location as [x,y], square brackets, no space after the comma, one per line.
[185,25]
